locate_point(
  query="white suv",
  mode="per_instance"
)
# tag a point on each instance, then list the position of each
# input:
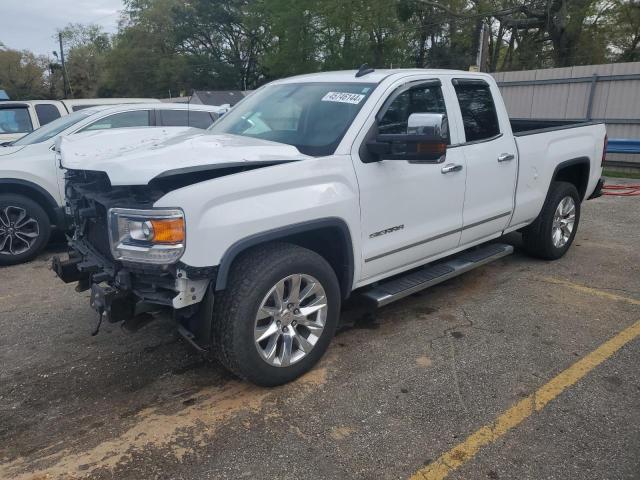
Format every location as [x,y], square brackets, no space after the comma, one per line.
[18,118]
[32,182]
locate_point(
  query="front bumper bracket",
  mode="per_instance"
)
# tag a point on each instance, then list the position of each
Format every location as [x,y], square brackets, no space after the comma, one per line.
[115,305]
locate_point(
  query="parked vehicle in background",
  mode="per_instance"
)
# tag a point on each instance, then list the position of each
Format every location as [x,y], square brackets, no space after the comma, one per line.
[17,118]
[314,188]
[32,182]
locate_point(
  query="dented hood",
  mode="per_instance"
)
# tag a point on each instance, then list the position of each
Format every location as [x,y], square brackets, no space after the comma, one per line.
[137,156]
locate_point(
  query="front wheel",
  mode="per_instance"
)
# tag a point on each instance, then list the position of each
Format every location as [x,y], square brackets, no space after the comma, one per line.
[277,315]
[552,233]
[24,229]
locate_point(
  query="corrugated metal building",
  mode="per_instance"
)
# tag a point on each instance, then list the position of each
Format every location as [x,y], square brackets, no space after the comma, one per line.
[609,93]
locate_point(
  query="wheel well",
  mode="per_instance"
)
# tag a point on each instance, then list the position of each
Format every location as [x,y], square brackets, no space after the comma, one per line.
[35,195]
[329,239]
[575,172]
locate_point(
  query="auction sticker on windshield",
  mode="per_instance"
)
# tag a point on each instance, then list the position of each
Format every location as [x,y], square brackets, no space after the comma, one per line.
[342,97]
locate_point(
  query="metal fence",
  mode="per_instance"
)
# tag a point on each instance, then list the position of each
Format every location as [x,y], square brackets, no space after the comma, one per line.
[608,93]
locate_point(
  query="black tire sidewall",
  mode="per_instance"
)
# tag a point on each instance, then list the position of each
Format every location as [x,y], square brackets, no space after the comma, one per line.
[251,364]
[44,224]
[560,191]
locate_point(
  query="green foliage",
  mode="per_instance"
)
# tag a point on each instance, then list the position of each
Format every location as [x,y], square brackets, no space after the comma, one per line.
[86,47]
[170,47]
[22,74]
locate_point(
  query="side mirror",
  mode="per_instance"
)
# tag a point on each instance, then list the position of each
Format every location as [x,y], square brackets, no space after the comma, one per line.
[425,141]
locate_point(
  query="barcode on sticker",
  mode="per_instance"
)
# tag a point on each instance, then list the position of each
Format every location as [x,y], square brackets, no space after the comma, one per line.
[342,97]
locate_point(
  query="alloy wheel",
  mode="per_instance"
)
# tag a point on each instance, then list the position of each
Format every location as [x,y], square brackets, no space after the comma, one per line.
[290,320]
[18,230]
[563,221]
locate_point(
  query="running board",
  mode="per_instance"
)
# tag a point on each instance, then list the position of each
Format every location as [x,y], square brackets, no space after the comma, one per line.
[399,287]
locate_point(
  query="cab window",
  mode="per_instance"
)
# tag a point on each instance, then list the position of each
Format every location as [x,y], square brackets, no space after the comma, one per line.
[46,113]
[182,118]
[138,118]
[479,115]
[425,98]
[15,120]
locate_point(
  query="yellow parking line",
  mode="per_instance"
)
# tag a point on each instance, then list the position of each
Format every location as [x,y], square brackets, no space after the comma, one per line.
[535,402]
[591,291]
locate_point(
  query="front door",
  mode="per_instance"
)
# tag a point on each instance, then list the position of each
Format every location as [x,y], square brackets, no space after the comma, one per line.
[409,211]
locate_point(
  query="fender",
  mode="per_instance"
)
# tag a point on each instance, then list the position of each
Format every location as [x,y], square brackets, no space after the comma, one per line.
[569,163]
[345,277]
[55,212]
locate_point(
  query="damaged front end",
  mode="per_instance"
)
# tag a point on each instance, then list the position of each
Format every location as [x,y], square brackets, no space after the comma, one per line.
[127,253]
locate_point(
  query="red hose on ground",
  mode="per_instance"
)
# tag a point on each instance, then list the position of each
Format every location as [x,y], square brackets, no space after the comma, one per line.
[621,190]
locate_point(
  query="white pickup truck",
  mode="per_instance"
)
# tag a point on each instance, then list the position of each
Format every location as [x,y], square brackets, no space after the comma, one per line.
[315,188]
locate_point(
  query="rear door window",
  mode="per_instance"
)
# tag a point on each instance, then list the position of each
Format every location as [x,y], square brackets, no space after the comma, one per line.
[137,118]
[46,113]
[15,120]
[75,108]
[183,118]
[478,110]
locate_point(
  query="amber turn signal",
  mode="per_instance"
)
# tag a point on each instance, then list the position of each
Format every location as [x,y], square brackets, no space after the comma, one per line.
[168,230]
[433,148]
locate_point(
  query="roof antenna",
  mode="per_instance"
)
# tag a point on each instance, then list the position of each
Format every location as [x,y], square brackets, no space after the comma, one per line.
[364,70]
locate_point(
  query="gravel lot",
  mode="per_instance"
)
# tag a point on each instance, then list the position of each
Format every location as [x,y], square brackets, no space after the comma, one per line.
[393,394]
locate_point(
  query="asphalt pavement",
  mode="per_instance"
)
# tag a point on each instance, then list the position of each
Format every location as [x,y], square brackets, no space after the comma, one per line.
[396,391]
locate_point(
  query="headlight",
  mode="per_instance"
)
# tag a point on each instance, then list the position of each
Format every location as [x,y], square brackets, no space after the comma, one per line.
[147,236]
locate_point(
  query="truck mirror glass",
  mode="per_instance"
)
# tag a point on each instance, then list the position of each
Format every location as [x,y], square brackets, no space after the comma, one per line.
[426,140]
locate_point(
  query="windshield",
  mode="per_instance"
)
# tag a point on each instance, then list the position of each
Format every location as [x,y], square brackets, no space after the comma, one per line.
[52,129]
[313,117]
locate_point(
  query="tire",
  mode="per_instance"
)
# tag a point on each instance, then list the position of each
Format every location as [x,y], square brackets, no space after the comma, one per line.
[538,238]
[251,288]
[24,229]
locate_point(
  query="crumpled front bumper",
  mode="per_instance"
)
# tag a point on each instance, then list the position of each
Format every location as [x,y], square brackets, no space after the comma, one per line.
[121,291]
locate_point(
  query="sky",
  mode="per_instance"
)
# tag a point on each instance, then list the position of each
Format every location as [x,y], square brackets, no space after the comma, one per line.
[32,24]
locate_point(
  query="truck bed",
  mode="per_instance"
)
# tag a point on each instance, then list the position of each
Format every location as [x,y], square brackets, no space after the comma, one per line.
[541,150]
[530,126]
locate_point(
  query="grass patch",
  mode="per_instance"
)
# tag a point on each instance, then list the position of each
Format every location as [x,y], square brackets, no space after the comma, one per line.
[614,174]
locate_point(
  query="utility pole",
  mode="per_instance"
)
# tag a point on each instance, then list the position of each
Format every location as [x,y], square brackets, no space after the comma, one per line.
[483,49]
[64,68]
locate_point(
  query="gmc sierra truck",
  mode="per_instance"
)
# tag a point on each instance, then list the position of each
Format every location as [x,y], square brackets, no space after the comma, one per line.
[314,188]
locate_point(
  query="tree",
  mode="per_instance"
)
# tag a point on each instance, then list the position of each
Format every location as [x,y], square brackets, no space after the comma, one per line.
[22,74]
[226,38]
[624,31]
[144,60]
[86,48]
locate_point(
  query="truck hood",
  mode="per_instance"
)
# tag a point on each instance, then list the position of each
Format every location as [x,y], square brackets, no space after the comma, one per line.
[137,156]
[9,149]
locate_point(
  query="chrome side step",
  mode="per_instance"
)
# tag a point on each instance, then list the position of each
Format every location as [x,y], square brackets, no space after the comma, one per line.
[399,287]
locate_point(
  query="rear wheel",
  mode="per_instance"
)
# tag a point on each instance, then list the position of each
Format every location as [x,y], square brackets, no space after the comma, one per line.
[552,233]
[277,315]
[24,229]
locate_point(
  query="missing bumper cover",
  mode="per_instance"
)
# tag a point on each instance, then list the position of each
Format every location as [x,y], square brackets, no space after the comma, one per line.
[116,305]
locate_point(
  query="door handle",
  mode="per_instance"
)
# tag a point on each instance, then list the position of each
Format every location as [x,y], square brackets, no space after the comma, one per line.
[451,167]
[506,157]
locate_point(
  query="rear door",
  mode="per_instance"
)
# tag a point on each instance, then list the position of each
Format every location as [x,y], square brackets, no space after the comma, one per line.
[491,159]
